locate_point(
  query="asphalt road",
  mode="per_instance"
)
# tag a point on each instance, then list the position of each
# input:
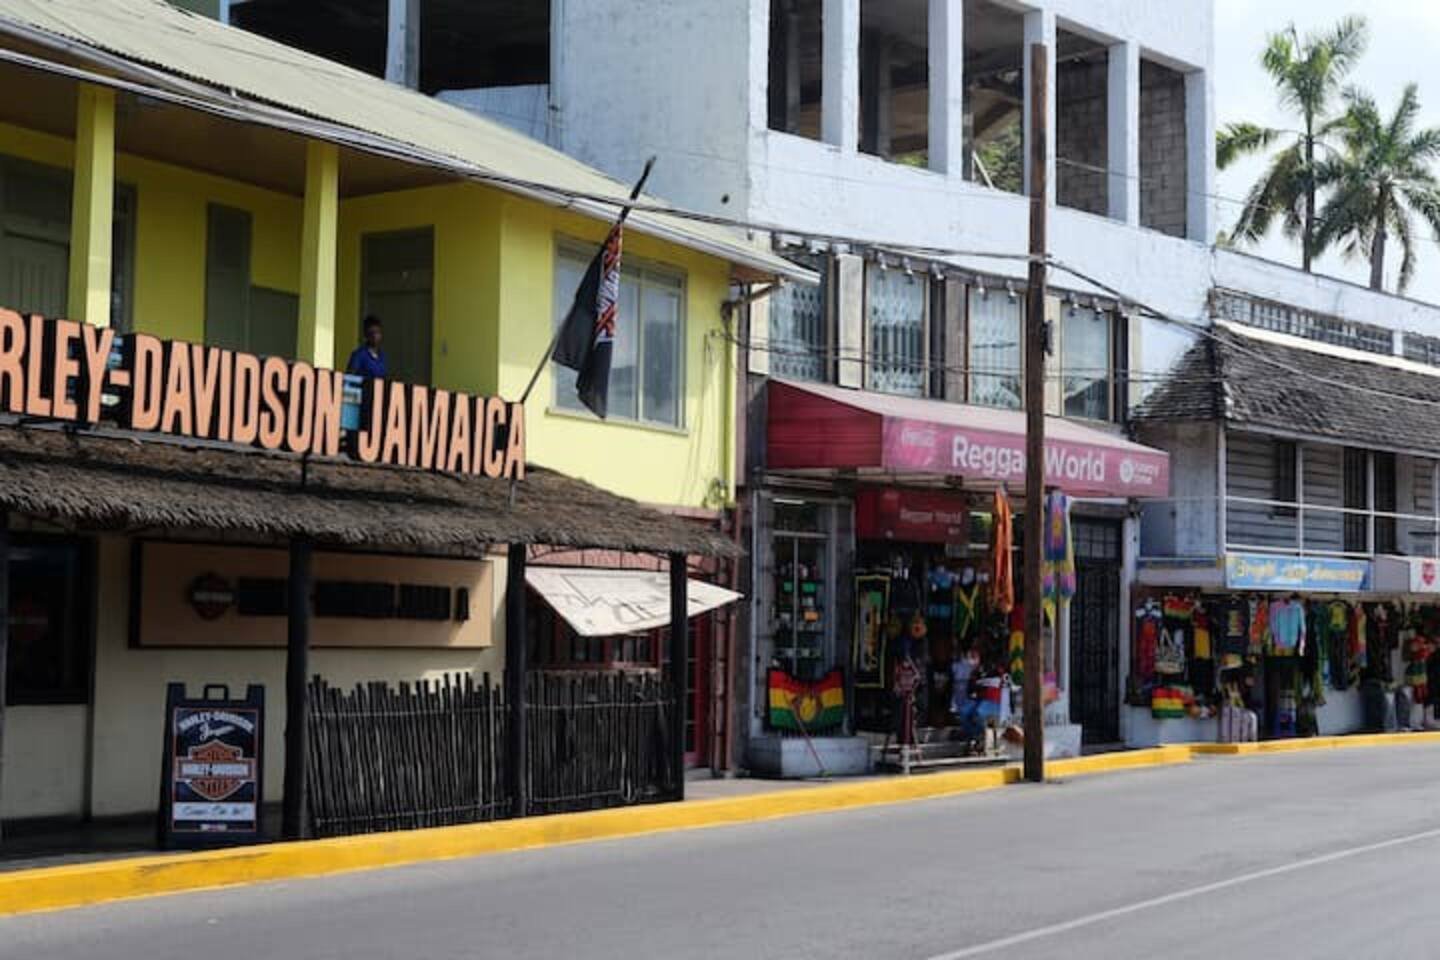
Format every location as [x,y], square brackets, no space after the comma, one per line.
[1317,855]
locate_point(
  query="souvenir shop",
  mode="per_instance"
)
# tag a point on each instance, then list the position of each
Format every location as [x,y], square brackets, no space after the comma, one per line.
[1283,647]
[938,645]
[887,600]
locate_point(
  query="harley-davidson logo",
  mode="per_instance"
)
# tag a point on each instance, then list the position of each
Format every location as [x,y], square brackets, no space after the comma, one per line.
[214,770]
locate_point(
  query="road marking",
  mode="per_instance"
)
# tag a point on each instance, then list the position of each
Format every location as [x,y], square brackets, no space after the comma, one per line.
[1040,933]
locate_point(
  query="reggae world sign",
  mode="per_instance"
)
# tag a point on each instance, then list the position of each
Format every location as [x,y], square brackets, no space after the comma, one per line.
[77,373]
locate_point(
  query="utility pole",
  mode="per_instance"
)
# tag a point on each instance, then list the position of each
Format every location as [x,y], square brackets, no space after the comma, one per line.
[1035,342]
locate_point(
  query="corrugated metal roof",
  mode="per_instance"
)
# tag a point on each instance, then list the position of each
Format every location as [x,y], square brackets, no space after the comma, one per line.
[233,63]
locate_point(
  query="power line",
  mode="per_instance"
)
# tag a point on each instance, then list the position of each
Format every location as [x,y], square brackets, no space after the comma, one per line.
[1207,331]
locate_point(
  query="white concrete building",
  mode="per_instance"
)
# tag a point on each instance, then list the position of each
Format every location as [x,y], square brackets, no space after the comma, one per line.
[884,143]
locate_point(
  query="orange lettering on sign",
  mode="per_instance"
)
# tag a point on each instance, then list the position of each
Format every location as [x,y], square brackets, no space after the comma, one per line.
[66,368]
[12,350]
[395,449]
[458,460]
[146,382]
[515,447]
[177,413]
[224,412]
[494,463]
[300,413]
[329,400]
[204,380]
[36,403]
[245,425]
[429,418]
[272,410]
[62,370]
[367,445]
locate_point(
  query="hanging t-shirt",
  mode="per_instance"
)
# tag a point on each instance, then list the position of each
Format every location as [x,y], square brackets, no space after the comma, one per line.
[1232,620]
[1335,618]
[1287,627]
[1179,613]
[1380,643]
[1259,626]
[967,611]
[1148,622]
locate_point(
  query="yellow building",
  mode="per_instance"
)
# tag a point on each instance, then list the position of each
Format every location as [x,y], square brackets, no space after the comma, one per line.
[161,173]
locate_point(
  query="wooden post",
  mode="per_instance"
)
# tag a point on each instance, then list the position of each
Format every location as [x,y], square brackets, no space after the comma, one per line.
[295,825]
[1035,341]
[679,662]
[4,633]
[517,740]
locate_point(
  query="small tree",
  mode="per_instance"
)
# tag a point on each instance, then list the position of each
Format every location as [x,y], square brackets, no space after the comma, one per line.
[1381,181]
[1307,74]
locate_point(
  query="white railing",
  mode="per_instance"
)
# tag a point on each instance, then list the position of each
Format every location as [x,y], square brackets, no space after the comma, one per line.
[1416,535]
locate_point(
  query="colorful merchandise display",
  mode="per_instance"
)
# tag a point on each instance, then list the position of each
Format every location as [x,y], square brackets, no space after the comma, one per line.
[1275,657]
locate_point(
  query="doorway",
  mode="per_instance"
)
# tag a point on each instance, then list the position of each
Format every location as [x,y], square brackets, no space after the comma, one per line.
[1095,632]
[397,285]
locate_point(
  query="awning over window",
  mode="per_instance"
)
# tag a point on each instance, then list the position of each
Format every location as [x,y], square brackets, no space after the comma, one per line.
[604,603]
[822,427]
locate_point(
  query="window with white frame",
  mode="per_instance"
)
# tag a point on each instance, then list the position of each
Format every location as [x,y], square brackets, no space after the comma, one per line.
[647,369]
[896,304]
[994,348]
[1086,362]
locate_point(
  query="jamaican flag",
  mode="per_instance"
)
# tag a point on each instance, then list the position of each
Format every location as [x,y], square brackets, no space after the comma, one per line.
[803,705]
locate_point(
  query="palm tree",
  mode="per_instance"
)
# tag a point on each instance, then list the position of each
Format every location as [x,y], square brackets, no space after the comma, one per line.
[1307,72]
[1379,183]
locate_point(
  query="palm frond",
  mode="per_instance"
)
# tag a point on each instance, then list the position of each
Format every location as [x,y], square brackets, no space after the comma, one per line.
[1236,140]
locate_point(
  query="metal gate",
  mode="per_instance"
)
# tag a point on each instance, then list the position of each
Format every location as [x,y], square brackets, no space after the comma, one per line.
[1095,632]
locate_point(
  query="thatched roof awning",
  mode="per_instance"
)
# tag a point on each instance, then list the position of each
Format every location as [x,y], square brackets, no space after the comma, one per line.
[107,482]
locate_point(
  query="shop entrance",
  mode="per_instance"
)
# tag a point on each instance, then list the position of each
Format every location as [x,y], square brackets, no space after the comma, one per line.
[1095,632]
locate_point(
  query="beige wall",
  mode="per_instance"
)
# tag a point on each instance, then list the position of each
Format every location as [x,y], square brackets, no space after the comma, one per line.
[130,689]
[44,771]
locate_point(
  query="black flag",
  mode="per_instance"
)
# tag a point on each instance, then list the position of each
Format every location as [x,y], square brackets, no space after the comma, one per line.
[587,337]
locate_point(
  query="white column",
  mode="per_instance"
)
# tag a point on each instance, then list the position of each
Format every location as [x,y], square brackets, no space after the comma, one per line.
[947,86]
[840,95]
[1123,118]
[850,320]
[1200,156]
[402,43]
[1040,28]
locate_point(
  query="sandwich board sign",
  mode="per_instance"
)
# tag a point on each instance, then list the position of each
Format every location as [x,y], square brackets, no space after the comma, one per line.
[212,767]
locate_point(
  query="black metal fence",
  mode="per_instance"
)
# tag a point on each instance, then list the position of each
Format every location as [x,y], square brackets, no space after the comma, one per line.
[385,757]
[598,740]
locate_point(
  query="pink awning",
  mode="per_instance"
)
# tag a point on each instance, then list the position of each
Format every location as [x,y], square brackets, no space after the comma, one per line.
[818,426]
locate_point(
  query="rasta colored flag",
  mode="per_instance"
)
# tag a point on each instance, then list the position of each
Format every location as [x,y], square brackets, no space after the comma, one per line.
[804,705]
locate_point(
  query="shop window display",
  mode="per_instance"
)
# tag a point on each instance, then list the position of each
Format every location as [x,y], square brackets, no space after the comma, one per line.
[800,586]
[1265,663]
[939,641]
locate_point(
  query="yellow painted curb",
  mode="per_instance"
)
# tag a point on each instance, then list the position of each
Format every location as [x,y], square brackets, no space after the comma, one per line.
[51,888]
[1120,760]
[1317,743]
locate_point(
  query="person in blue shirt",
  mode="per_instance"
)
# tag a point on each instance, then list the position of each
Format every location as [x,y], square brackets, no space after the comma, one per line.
[368,360]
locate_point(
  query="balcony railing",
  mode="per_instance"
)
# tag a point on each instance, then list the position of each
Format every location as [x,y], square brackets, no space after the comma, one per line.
[1293,528]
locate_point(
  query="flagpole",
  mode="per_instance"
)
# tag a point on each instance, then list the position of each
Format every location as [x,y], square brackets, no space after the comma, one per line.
[559,328]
